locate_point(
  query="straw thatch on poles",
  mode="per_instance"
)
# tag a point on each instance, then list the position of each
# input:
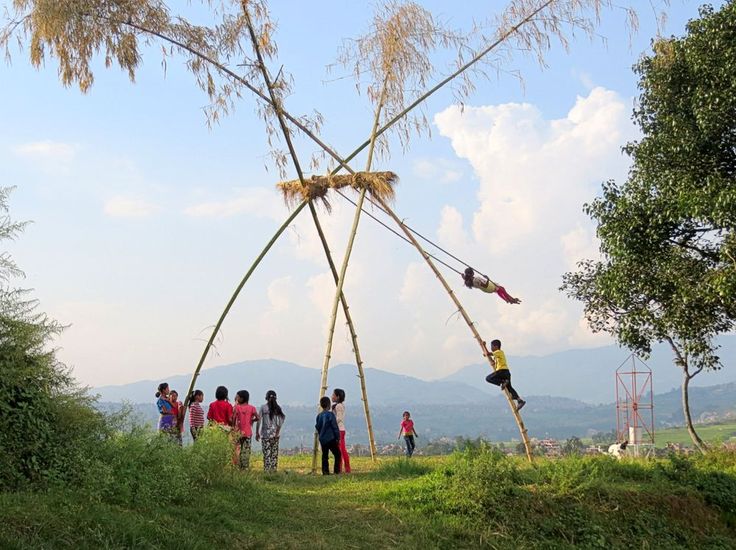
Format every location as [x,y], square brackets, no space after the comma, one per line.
[378,184]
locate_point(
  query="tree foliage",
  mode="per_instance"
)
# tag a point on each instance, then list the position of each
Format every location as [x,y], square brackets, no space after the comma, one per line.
[46,422]
[573,446]
[668,233]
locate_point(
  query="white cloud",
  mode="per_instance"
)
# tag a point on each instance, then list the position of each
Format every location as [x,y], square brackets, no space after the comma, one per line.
[125,207]
[439,169]
[534,173]
[321,292]
[257,201]
[451,230]
[578,244]
[279,293]
[50,157]
[584,78]
[416,280]
[528,227]
[47,150]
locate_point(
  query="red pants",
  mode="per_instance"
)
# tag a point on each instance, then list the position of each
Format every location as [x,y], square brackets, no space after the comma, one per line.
[345,457]
[501,291]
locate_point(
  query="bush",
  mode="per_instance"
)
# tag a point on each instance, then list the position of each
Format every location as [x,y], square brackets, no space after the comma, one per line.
[712,475]
[402,467]
[581,501]
[50,432]
[46,423]
[143,466]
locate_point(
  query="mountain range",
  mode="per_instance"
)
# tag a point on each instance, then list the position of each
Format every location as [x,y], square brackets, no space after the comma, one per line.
[582,375]
[461,404]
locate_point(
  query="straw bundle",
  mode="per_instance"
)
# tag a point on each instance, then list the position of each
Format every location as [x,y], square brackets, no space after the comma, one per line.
[378,184]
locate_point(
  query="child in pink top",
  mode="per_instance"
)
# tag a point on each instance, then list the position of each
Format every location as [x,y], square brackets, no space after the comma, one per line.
[178,413]
[244,416]
[407,430]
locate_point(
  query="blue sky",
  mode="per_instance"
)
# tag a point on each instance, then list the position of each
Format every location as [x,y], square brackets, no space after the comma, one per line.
[144,220]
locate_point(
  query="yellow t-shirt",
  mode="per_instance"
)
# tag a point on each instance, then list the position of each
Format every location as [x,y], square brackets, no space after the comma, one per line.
[486,285]
[500,358]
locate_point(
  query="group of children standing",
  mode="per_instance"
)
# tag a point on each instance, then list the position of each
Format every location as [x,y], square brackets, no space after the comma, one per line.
[237,419]
[329,425]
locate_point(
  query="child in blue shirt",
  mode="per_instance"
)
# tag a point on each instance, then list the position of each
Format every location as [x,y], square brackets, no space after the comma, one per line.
[329,436]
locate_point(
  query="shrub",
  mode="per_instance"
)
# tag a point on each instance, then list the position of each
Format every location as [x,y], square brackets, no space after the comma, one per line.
[143,466]
[402,468]
[45,421]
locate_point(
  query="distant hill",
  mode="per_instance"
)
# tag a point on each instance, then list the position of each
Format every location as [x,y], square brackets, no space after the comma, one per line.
[583,375]
[589,374]
[298,385]
[568,393]
[544,416]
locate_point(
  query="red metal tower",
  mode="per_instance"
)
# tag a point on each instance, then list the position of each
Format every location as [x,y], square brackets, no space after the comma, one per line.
[635,404]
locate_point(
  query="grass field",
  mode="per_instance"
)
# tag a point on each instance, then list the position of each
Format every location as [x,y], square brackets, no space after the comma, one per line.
[463,501]
[710,433]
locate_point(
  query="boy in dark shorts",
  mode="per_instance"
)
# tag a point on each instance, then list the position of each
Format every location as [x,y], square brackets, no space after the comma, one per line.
[501,376]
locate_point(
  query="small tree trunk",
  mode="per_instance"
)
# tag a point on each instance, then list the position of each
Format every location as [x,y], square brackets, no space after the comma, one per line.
[697,441]
[681,360]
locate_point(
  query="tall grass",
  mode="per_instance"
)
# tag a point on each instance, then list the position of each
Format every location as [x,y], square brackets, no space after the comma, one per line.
[401,468]
[583,501]
[142,466]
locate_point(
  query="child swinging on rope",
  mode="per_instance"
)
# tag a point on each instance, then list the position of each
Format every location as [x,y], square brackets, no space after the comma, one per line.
[486,285]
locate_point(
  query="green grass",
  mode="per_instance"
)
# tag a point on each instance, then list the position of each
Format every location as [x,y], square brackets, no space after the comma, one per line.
[470,500]
[710,433]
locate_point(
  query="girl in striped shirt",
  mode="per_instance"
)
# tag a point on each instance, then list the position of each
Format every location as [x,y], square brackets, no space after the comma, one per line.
[196,413]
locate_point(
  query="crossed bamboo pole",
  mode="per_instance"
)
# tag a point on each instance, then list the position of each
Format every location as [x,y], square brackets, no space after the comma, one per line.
[343,164]
[341,282]
[339,279]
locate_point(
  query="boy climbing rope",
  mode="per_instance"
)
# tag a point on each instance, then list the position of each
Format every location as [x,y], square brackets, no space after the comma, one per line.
[486,285]
[501,376]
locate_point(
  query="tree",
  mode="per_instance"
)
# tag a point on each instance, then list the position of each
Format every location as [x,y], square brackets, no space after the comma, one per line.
[668,234]
[573,446]
[45,420]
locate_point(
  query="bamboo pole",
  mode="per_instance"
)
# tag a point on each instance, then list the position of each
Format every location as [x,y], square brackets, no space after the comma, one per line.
[468,321]
[343,162]
[343,271]
[278,108]
[354,338]
[234,296]
[333,314]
